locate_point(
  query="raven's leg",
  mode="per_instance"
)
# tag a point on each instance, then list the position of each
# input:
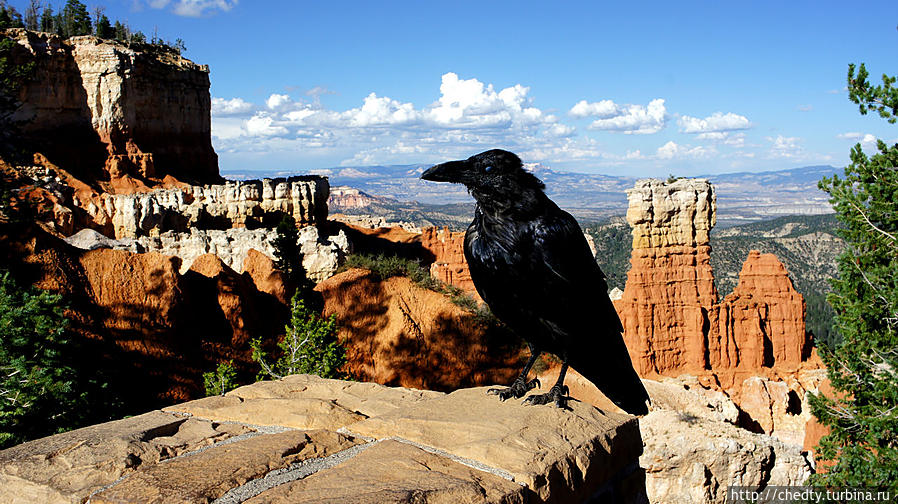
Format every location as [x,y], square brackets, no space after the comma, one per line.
[520,386]
[558,392]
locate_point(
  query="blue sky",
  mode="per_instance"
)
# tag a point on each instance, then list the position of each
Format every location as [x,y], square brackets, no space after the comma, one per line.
[648,89]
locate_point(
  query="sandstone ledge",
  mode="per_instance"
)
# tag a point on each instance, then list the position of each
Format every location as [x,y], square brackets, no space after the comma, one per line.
[307,439]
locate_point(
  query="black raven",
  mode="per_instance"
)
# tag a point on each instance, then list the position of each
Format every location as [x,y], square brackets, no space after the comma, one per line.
[531,264]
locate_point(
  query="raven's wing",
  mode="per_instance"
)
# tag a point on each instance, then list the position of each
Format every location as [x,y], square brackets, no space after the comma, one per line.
[554,294]
[576,295]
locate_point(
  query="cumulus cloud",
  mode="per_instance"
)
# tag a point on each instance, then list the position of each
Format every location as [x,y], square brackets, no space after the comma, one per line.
[264,125]
[468,114]
[865,139]
[638,119]
[715,123]
[724,137]
[234,106]
[672,150]
[604,108]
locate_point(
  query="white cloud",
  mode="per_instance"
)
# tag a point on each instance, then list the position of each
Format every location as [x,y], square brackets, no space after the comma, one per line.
[199,8]
[381,111]
[234,106]
[672,150]
[715,123]
[866,139]
[279,102]
[785,147]
[264,125]
[805,108]
[724,137]
[604,108]
[639,119]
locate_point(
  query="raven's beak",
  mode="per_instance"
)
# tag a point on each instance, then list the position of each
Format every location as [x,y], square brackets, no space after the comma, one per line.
[453,171]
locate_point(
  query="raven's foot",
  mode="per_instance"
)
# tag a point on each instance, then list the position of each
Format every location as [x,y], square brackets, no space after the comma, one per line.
[516,390]
[556,394]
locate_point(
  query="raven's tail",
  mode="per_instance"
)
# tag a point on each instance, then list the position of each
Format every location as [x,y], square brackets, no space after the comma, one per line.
[612,372]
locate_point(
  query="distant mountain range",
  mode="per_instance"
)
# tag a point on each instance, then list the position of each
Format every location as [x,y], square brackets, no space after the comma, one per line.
[741,197]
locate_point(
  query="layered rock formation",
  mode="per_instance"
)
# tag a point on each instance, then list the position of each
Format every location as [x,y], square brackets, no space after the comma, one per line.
[305,439]
[673,322]
[670,285]
[107,106]
[320,256]
[234,204]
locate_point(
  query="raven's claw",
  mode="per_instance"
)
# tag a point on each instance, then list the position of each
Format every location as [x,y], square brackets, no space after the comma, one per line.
[557,394]
[516,390]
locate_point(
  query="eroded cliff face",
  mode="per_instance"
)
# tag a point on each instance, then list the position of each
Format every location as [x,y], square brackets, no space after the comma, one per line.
[253,203]
[449,264]
[156,328]
[108,111]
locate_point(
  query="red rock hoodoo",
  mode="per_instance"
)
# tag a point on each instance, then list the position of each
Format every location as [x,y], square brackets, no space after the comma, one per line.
[673,322]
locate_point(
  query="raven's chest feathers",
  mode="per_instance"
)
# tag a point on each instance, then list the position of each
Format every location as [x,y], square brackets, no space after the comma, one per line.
[507,267]
[537,274]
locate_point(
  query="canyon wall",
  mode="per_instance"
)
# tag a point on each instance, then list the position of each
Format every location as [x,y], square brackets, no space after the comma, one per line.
[112,111]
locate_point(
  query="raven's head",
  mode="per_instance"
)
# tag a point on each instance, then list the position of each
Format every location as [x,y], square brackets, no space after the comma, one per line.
[488,174]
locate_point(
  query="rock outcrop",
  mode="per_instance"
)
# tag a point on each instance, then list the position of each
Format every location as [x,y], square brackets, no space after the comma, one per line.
[305,439]
[673,322]
[761,323]
[114,108]
[320,256]
[694,450]
[154,329]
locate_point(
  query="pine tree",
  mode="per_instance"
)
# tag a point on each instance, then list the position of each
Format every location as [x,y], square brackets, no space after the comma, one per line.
[286,248]
[104,29]
[76,19]
[48,20]
[36,385]
[863,416]
[32,15]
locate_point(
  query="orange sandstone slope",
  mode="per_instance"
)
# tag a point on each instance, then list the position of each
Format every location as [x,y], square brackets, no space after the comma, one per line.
[397,333]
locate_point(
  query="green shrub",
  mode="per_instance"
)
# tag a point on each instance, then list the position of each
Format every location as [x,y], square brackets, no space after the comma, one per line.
[38,392]
[222,380]
[309,346]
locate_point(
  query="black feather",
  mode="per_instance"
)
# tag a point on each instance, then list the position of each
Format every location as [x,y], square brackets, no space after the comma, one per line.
[531,264]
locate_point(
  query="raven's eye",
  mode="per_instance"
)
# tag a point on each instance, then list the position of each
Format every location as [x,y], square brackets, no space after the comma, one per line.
[488,168]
